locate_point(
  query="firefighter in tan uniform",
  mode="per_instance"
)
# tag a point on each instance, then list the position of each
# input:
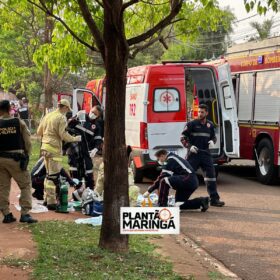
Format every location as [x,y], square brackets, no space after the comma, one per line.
[53,132]
[14,151]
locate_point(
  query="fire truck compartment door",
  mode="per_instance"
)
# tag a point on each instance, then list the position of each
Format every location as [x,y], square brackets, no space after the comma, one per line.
[229,112]
[84,99]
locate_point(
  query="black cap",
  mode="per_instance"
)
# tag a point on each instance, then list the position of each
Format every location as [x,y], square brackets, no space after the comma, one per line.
[5,106]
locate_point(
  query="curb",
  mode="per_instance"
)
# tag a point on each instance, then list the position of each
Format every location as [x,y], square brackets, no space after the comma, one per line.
[206,258]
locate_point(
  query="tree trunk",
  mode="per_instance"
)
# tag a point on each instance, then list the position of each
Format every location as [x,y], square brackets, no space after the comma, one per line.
[49,25]
[115,157]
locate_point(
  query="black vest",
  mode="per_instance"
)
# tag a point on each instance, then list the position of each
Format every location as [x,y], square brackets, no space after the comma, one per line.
[10,136]
[23,113]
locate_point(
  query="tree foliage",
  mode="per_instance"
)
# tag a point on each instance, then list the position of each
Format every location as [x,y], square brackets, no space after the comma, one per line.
[262,6]
[263,29]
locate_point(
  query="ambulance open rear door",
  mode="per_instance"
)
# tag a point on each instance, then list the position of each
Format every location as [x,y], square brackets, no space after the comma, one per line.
[229,112]
[84,99]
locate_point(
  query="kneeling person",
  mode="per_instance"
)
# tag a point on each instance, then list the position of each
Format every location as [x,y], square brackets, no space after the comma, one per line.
[178,175]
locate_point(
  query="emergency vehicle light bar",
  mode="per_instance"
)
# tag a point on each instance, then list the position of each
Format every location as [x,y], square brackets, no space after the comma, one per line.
[182,61]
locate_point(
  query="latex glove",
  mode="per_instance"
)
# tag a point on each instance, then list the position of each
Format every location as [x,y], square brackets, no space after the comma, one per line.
[211,144]
[93,153]
[194,149]
[78,138]
[146,194]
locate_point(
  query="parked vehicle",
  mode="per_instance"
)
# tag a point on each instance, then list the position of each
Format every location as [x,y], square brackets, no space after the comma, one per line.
[159,102]
[255,68]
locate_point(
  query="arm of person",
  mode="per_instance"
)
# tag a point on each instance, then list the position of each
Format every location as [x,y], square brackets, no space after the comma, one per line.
[185,137]
[26,137]
[213,135]
[63,134]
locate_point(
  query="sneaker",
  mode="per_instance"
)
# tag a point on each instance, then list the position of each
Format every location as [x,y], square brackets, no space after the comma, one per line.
[9,218]
[27,219]
[204,204]
[217,203]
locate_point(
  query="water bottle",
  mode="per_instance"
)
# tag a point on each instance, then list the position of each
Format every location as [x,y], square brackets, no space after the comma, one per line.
[63,198]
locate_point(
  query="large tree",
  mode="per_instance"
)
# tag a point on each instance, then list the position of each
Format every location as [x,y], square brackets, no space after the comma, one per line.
[117,30]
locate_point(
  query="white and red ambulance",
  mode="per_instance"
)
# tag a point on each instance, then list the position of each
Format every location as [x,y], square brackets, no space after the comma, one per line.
[159,102]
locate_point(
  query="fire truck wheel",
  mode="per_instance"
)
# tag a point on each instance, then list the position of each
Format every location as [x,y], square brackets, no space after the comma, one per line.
[265,168]
[137,173]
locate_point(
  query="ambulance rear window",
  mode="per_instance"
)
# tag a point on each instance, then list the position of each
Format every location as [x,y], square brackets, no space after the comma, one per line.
[166,100]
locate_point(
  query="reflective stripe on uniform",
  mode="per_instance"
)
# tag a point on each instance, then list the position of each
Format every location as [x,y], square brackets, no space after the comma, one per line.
[50,149]
[73,168]
[97,138]
[182,164]
[203,134]
[84,129]
[210,179]
[167,171]
[89,171]
[167,182]
[39,169]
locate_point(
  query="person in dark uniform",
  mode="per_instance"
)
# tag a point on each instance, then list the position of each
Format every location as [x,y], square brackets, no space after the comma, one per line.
[14,151]
[79,158]
[178,175]
[38,175]
[96,117]
[198,136]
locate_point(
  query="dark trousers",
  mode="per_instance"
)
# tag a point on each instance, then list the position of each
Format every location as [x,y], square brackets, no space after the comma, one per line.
[184,185]
[82,168]
[205,161]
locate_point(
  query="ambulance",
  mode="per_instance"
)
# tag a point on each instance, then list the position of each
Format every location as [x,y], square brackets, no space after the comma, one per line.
[162,98]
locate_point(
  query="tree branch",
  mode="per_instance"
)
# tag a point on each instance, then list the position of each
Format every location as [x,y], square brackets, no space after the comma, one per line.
[176,6]
[92,25]
[144,46]
[128,4]
[48,12]
[99,3]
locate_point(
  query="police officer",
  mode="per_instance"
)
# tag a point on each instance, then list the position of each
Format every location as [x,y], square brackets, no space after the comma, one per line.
[178,175]
[53,131]
[14,150]
[198,137]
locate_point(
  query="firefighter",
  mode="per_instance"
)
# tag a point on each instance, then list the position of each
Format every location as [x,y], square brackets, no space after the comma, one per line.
[178,175]
[79,154]
[53,132]
[38,175]
[14,150]
[198,136]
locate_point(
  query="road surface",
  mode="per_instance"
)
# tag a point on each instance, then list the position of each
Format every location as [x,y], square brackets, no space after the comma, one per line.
[245,234]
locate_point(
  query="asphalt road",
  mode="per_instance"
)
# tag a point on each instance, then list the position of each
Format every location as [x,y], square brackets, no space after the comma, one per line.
[245,234]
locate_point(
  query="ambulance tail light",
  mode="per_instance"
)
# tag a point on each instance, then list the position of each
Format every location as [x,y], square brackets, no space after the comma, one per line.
[143,135]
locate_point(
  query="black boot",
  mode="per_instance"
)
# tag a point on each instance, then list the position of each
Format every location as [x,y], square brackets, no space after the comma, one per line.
[204,204]
[27,219]
[9,218]
[217,203]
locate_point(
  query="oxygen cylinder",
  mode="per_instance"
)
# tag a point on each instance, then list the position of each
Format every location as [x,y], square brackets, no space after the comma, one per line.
[63,198]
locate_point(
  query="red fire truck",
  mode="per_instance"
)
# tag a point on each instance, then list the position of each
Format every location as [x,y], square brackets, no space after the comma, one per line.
[255,68]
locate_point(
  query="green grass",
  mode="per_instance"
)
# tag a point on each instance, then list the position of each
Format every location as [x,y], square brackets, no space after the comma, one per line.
[215,275]
[70,251]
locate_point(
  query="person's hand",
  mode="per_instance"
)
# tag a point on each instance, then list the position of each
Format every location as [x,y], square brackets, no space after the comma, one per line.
[194,149]
[184,142]
[93,152]
[211,144]
[146,194]
[78,138]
